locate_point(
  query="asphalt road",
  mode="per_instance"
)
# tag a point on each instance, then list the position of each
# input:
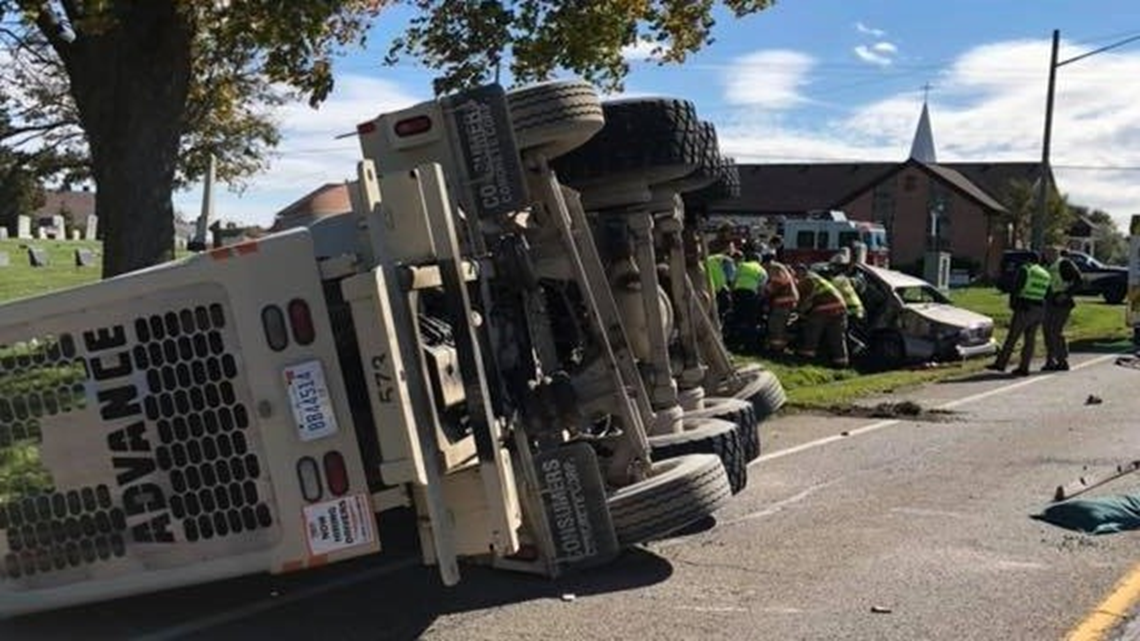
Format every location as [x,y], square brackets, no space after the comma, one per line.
[849,529]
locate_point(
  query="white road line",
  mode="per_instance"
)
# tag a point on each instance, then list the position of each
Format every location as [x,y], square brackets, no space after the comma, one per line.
[229,616]
[874,427]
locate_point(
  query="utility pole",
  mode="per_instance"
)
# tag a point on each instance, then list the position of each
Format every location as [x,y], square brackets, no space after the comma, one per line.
[1038,240]
[1040,216]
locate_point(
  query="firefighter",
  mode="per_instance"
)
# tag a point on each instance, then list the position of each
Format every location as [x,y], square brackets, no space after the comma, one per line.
[782,297]
[842,276]
[824,317]
[1064,277]
[1027,300]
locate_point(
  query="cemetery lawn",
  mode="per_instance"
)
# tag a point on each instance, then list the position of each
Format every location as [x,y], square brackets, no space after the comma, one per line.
[19,279]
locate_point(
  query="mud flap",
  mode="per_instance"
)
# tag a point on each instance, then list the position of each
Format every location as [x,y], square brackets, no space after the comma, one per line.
[574,501]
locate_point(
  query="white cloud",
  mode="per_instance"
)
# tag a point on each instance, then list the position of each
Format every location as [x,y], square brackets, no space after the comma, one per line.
[868,54]
[881,53]
[771,79]
[871,31]
[989,105]
[310,154]
[638,51]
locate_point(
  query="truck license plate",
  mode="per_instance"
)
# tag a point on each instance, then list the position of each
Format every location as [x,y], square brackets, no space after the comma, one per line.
[309,397]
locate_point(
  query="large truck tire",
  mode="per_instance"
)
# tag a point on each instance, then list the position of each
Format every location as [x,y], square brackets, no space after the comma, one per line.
[736,411]
[726,186]
[706,436]
[707,170]
[765,392]
[555,117]
[678,491]
[645,140]
[692,398]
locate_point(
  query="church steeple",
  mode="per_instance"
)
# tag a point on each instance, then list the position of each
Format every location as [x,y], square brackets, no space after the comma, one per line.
[922,149]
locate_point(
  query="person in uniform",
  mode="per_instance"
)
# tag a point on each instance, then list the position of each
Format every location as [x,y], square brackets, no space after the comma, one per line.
[1027,300]
[1064,277]
[824,318]
[782,297]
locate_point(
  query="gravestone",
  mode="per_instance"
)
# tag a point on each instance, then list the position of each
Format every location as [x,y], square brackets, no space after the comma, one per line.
[37,257]
[41,233]
[92,227]
[58,228]
[23,227]
[3,233]
[4,260]
[76,235]
[84,258]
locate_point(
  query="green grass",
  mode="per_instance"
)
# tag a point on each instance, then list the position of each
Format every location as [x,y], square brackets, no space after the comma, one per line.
[19,280]
[1094,326]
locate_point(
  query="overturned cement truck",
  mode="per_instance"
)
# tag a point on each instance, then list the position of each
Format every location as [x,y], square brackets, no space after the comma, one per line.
[510,337]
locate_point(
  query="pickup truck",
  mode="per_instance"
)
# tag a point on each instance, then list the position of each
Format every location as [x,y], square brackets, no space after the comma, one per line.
[1107,281]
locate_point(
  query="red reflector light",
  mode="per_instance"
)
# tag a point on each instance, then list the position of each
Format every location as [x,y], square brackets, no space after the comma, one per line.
[302,321]
[309,474]
[273,322]
[336,473]
[412,126]
[366,127]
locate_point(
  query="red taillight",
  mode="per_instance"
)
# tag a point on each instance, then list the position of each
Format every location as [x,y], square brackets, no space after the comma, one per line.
[309,475]
[336,473]
[366,127]
[273,322]
[302,322]
[412,126]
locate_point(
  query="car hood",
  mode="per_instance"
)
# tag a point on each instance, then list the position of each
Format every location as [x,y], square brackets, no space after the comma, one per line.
[950,315]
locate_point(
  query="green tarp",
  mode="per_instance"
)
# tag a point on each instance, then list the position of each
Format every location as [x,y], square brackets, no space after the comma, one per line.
[1100,515]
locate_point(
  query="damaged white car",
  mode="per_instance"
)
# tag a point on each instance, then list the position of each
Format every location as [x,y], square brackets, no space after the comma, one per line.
[909,321]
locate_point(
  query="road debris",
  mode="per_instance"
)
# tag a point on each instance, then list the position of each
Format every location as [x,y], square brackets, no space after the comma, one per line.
[1093,399]
[900,410]
[881,609]
[569,596]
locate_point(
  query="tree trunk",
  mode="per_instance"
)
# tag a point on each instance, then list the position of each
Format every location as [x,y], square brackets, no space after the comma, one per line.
[130,84]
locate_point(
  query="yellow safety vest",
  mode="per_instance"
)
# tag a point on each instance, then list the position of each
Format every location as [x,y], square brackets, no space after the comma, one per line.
[1036,283]
[714,265]
[749,276]
[1058,285]
[850,296]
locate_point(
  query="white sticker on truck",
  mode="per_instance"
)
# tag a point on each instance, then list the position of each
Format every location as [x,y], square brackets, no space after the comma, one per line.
[339,524]
[309,398]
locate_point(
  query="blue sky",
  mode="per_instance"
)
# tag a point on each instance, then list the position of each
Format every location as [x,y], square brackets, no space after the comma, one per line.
[818,81]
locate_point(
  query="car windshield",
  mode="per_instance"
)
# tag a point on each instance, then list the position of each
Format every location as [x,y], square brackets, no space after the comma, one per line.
[1086,261]
[920,294]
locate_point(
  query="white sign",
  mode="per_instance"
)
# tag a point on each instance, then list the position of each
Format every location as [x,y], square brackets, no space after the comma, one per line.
[339,524]
[309,397]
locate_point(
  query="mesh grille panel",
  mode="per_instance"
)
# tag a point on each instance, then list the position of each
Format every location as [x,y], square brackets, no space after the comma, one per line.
[128,441]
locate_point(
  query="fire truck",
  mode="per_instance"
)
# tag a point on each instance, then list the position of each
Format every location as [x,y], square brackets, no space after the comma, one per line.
[820,236]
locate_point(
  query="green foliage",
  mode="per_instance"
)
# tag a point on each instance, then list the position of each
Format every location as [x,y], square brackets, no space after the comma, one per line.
[468,40]
[1110,245]
[1020,200]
